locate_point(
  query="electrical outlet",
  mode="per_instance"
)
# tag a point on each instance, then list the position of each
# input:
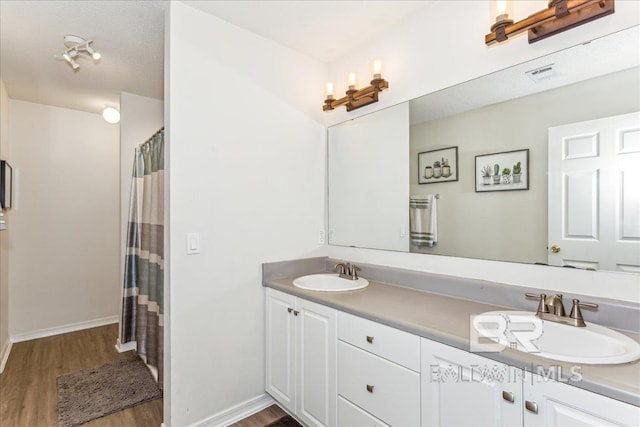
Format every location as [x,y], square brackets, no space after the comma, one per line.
[321,239]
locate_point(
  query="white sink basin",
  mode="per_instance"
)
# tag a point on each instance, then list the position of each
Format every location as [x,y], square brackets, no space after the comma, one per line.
[329,283]
[523,331]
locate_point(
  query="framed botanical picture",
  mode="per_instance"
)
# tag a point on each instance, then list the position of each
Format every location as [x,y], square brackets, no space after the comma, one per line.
[438,166]
[6,180]
[504,171]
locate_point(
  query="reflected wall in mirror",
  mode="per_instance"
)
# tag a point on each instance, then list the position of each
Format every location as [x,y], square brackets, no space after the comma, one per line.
[507,111]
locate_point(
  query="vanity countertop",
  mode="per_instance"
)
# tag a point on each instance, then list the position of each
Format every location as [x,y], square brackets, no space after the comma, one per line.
[446,319]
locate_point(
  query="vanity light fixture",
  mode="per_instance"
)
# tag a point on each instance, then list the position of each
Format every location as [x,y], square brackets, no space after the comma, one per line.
[356,98]
[559,16]
[75,46]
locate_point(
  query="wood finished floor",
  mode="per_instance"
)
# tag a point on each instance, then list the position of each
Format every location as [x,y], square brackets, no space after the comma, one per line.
[262,418]
[28,391]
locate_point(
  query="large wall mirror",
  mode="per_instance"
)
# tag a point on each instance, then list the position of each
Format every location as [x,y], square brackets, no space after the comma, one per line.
[537,163]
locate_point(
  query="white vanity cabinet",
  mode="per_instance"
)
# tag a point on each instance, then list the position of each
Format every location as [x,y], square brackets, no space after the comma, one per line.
[553,404]
[301,357]
[463,389]
[331,368]
[378,374]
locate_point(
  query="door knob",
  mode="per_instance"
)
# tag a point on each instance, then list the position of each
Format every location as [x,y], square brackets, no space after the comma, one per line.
[555,249]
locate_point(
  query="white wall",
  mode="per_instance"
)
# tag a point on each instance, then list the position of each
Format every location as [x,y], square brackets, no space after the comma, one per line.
[4,235]
[443,45]
[246,172]
[140,118]
[64,225]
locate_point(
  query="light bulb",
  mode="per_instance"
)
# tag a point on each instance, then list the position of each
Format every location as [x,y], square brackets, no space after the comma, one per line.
[111,115]
[330,92]
[376,69]
[501,10]
[94,53]
[352,80]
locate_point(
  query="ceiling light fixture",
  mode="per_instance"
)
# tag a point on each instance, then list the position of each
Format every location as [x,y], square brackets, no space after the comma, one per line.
[111,115]
[357,98]
[75,46]
[70,58]
[559,16]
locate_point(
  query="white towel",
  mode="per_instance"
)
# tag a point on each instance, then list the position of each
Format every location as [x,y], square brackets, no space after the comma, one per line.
[423,215]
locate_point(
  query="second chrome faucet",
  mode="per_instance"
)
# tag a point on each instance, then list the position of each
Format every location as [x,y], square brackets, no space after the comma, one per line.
[347,270]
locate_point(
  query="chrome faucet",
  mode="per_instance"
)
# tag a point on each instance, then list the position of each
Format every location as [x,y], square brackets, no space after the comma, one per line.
[551,309]
[347,271]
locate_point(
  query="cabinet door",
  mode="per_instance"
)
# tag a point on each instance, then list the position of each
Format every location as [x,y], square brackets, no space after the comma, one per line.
[280,348]
[464,389]
[559,404]
[316,364]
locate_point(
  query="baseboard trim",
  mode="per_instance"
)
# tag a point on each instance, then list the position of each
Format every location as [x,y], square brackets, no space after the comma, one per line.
[128,346]
[42,333]
[237,412]
[4,355]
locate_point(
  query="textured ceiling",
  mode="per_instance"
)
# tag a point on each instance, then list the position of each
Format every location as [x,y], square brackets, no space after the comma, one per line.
[129,34]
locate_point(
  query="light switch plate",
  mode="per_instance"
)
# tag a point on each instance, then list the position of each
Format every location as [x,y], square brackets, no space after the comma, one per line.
[193,243]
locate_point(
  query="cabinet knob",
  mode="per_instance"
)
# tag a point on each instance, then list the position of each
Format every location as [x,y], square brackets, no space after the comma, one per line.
[369,388]
[508,396]
[369,339]
[555,249]
[296,312]
[531,406]
[289,309]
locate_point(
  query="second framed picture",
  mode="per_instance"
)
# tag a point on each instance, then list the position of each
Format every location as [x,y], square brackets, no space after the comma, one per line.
[504,171]
[438,166]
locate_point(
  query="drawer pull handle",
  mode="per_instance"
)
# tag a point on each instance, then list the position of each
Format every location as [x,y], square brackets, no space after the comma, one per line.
[369,339]
[508,396]
[289,309]
[369,388]
[296,312]
[531,406]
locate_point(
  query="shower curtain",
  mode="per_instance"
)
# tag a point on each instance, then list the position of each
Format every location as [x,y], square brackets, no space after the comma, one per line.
[142,304]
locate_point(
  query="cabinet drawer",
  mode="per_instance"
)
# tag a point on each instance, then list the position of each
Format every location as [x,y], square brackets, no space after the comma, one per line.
[349,415]
[386,390]
[392,344]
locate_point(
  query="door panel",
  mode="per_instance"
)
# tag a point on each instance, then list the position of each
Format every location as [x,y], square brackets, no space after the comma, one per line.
[562,405]
[594,194]
[280,348]
[464,389]
[316,368]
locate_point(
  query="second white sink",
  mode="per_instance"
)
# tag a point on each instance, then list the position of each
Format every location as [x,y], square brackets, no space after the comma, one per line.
[592,344]
[329,283]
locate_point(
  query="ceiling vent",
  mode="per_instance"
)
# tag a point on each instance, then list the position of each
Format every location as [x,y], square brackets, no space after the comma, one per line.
[542,73]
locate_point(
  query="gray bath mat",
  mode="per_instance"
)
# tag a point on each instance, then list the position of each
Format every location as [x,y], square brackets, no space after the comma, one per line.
[93,393]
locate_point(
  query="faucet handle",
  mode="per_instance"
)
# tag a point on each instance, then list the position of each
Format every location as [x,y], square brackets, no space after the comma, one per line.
[576,313]
[353,271]
[542,305]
